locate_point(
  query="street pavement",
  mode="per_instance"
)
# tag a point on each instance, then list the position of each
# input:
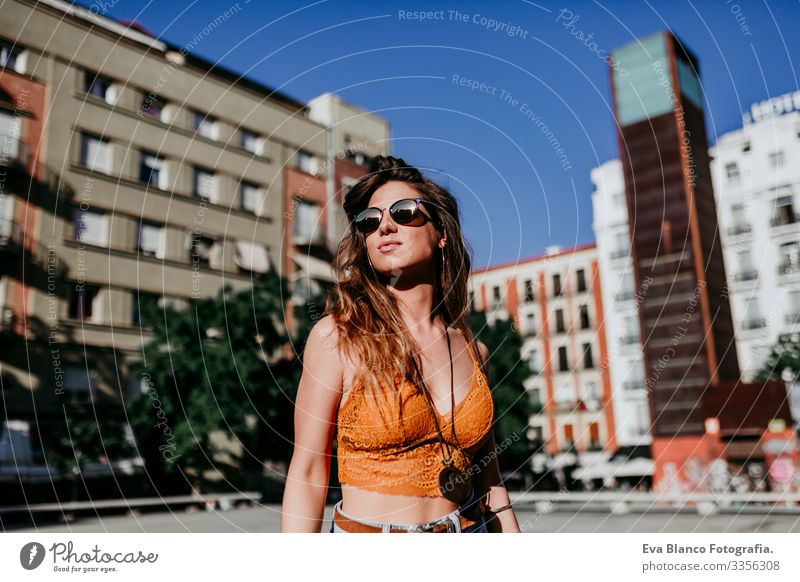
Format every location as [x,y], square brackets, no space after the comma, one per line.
[266,519]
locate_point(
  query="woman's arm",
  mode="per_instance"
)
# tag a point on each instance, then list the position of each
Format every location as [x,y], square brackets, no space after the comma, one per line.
[488,475]
[318,395]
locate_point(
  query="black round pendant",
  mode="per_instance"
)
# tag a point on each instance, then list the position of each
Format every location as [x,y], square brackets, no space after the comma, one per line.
[454,485]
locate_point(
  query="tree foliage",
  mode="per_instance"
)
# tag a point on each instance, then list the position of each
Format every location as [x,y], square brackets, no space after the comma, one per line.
[506,375]
[783,358]
[217,368]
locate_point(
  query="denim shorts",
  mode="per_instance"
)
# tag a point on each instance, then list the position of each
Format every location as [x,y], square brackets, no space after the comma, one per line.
[479,527]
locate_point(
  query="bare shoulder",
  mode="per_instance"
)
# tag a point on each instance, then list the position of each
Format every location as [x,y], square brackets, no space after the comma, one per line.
[322,345]
[324,330]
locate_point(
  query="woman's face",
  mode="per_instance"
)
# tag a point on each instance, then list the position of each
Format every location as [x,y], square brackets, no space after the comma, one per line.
[413,257]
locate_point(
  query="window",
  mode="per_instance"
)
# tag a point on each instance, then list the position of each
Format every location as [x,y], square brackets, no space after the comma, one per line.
[530,324]
[496,299]
[307,162]
[533,361]
[150,240]
[631,331]
[621,245]
[584,317]
[563,363]
[556,284]
[153,106]
[79,384]
[529,292]
[90,226]
[249,196]
[10,132]
[732,173]
[588,361]
[251,257]
[560,327]
[81,300]
[205,185]
[99,86]
[251,142]
[307,227]
[745,271]
[752,318]
[777,159]
[205,125]
[152,171]
[95,153]
[471,300]
[536,397]
[12,57]
[739,219]
[581,275]
[626,289]
[201,249]
[794,306]
[790,257]
[784,211]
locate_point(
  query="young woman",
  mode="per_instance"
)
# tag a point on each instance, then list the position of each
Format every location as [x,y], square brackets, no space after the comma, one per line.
[394,372]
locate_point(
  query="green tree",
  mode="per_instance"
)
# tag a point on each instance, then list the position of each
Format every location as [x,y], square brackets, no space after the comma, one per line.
[218,367]
[506,375]
[785,356]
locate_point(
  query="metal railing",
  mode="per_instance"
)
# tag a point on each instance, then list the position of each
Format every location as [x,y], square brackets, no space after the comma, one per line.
[620,502]
[209,500]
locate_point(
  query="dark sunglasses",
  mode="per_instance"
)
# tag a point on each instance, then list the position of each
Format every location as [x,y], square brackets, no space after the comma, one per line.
[406,212]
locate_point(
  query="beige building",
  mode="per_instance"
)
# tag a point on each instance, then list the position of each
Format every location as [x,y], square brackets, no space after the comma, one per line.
[145,174]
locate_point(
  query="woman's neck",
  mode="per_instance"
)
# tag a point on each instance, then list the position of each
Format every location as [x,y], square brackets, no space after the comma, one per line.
[416,305]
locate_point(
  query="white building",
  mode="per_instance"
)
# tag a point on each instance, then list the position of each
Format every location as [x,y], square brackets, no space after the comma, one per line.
[756,174]
[620,297]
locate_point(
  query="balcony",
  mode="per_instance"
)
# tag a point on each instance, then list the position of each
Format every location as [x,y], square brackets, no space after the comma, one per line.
[746,275]
[788,268]
[14,152]
[619,253]
[624,296]
[627,340]
[633,385]
[738,229]
[11,236]
[754,323]
[784,218]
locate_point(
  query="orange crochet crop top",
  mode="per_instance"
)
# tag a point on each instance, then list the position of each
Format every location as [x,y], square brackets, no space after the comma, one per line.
[381,450]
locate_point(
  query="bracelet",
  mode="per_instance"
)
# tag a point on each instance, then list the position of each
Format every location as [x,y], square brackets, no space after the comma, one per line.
[499,509]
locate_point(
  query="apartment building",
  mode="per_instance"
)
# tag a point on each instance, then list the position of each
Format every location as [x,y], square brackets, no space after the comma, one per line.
[140,173]
[555,302]
[757,187]
[621,297]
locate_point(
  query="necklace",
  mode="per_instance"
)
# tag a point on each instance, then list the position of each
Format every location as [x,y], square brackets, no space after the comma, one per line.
[454,484]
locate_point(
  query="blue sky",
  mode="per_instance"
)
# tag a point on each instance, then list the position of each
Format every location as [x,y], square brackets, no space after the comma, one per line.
[517,196]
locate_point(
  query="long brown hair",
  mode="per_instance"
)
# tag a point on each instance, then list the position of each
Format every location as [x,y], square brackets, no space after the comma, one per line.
[370,327]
